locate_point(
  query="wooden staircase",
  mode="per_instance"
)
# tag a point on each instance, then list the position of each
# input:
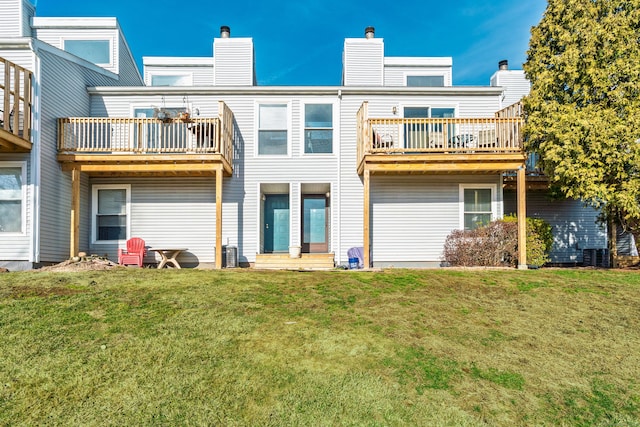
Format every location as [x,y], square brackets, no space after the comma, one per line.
[285,262]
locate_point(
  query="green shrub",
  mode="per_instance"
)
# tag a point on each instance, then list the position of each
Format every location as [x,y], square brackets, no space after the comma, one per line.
[539,239]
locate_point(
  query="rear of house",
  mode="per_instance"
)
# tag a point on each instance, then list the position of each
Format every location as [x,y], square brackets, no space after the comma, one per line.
[196,155]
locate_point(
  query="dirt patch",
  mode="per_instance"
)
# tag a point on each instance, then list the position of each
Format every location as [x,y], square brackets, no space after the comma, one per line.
[83,264]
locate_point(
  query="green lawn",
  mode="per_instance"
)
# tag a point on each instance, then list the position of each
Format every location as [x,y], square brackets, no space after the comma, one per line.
[244,347]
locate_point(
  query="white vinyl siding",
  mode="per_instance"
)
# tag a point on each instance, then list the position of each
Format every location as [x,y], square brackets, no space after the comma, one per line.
[397,75]
[412,216]
[10,13]
[241,220]
[233,62]
[515,85]
[200,70]
[363,62]
[55,31]
[171,212]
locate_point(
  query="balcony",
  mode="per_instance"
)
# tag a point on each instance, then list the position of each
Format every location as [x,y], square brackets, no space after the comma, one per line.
[491,145]
[15,108]
[439,145]
[181,146]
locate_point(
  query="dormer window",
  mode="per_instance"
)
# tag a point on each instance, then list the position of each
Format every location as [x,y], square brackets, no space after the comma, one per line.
[425,81]
[172,80]
[96,51]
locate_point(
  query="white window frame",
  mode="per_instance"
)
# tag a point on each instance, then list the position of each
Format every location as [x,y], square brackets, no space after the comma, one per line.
[256,136]
[410,74]
[111,41]
[188,75]
[334,130]
[494,200]
[23,197]
[94,210]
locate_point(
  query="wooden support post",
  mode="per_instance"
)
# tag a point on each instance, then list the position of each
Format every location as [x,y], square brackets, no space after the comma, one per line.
[522,219]
[219,216]
[75,213]
[367,221]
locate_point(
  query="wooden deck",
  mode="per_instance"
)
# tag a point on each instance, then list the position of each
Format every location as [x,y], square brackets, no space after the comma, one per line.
[418,146]
[133,147]
[15,108]
[114,146]
[439,145]
[285,262]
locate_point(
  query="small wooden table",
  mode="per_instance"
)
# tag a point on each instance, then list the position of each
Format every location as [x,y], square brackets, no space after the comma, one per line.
[169,256]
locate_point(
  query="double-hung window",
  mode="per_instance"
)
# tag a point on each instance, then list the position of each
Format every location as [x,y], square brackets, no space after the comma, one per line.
[318,128]
[111,212]
[272,129]
[12,197]
[478,205]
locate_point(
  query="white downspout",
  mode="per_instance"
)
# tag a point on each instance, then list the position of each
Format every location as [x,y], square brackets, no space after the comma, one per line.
[36,157]
[339,183]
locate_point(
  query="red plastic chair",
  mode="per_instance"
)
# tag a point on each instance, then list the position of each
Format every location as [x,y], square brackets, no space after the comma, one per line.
[134,254]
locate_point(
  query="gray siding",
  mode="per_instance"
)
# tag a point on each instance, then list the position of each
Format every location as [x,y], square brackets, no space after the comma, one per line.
[18,247]
[363,62]
[28,12]
[575,226]
[63,94]
[626,243]
[129,75]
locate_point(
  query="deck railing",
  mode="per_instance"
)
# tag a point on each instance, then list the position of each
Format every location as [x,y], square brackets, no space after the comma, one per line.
[15,99]
[437,135]
[100,135]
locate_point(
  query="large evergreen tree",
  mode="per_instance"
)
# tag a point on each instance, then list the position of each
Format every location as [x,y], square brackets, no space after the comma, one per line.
[583,112]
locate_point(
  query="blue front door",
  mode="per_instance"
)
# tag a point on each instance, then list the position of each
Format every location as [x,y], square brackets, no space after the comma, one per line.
[276,223]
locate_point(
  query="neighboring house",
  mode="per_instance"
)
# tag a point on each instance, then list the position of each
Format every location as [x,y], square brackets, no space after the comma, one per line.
[196,155]
[575,226]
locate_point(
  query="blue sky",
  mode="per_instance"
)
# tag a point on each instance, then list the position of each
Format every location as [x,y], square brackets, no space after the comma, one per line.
[300,42]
